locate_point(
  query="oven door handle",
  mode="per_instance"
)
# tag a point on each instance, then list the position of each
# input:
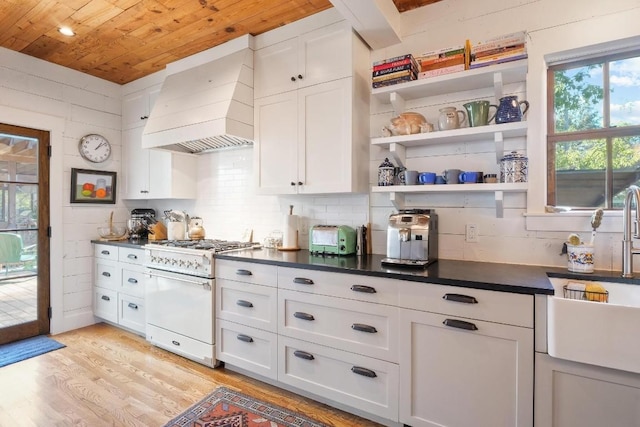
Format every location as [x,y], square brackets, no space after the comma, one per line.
[180,279]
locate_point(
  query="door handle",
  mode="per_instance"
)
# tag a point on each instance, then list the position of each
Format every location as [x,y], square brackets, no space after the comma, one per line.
[460,324]
[363,371]
[363,288]
[303,316]
[243,303]
[245,338]
[243,272]
[303,355]
[302,281]
[106,274]
[132,280]
[460,298]
[364,328]
[106,298]
[133,306]
[132,256]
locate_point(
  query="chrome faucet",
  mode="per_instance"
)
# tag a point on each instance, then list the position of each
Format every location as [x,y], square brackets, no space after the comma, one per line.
[632,193]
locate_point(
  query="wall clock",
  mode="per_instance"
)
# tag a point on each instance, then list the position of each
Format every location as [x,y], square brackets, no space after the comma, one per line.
[95,148]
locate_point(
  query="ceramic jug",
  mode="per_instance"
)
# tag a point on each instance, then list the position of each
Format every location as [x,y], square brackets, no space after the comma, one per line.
[510,109]
[450,118]
[478,112]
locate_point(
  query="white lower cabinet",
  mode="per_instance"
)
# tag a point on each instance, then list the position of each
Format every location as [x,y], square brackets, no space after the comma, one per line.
[365,383]
[459,372]
[572,394]
[248,348]
[119,286]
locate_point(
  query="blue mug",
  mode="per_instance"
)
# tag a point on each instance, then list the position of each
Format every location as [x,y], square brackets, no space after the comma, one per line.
[427,178]
[470,177]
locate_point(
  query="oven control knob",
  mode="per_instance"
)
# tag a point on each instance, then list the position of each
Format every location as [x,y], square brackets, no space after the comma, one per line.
[189,264]
[181,263]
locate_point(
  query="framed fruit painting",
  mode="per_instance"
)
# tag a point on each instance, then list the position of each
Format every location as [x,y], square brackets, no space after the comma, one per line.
[92,186]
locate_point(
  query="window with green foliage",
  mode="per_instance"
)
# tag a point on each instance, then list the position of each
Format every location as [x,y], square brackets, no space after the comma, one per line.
[593,135]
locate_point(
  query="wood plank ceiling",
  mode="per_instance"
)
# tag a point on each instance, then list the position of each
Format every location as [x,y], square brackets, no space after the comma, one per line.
[123,40]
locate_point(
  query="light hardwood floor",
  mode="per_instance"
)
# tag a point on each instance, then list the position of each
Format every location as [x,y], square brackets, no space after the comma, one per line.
[109,377]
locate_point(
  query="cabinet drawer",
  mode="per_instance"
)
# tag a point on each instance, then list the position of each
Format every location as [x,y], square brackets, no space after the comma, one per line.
[370,385]
[248,304]
[249,348]
[352,286]
[107,274]
[247,272]
[354,326]
[133,280]
[131,312]
[106,252]
[131,255]
[492,306]
[105,304]
[179,344]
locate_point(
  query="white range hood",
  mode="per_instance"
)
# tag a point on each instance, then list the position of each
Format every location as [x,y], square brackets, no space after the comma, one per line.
[207,107]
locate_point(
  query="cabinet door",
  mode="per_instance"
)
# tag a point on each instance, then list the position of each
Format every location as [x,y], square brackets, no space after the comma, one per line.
[136,164]
[276,68]
[135,108]
[325,145]
[571,394]
[325,54]
[275,150]
[453,377]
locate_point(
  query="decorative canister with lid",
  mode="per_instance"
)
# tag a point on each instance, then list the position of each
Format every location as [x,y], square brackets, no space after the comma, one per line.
[386,173]
[514,167]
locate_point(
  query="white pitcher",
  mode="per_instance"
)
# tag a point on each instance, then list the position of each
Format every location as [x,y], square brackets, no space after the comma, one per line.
[450,118]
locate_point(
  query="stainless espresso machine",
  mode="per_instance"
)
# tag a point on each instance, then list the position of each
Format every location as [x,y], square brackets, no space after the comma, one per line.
[412,238]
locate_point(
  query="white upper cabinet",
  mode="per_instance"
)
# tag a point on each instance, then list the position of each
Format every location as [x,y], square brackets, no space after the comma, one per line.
[152,174]
[315,57]
[311,134]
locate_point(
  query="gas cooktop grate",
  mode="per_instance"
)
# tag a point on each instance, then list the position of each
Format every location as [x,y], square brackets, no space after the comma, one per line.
[206,244]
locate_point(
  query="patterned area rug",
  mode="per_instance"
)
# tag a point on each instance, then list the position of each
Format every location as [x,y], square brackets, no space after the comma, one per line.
[228,408]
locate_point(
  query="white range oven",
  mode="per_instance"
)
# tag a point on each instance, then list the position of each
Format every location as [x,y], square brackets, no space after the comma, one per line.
[179,294]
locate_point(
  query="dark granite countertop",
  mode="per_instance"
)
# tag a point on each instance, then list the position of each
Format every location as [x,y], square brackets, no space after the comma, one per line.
[523,279]
[480,275]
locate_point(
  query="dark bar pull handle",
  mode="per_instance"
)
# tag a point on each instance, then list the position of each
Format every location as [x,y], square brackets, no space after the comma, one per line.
[132,280]
[460,298]
[303,316]
[364,328]
[363,371]
[242,272]
[106,298]
[302,281]
[245,338]
[243,303]
[303,355]
[105,252]
[106,274]
[174,342]
[460,324]
[132,256]
[134,306]
[364,289]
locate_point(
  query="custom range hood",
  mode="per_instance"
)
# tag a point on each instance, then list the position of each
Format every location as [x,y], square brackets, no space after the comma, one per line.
[204,108]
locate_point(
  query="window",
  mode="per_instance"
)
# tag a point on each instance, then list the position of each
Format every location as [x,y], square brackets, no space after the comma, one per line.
[593,134]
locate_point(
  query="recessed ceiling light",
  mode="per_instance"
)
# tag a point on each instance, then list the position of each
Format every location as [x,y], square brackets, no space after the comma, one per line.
[66,31]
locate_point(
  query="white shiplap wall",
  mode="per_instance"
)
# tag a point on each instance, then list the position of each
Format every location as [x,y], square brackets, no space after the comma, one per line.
[69,104]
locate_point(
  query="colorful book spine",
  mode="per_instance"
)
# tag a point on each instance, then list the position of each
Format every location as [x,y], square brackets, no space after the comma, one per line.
[391,82]
[392,70]
[397,74]
[442,63]
[395,58]
[507,40]
[478,64]
[391,64]
[441,71]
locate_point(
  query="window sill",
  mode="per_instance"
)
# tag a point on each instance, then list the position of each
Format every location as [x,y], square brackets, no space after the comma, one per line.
[573,221]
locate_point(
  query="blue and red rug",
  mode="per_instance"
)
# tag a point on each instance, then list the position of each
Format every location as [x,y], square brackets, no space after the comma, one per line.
[228,408]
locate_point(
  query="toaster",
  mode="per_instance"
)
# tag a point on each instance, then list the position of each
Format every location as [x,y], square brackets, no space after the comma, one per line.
[332,239]
[412,238]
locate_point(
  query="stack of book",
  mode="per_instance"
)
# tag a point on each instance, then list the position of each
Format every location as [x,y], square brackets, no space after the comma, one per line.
[443,61]
[394,70]
[509,47]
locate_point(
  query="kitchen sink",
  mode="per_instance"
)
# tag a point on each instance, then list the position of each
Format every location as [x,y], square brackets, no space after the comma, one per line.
[597,333]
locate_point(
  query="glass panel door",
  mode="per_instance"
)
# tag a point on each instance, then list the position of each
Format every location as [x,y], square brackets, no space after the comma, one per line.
[24,243]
